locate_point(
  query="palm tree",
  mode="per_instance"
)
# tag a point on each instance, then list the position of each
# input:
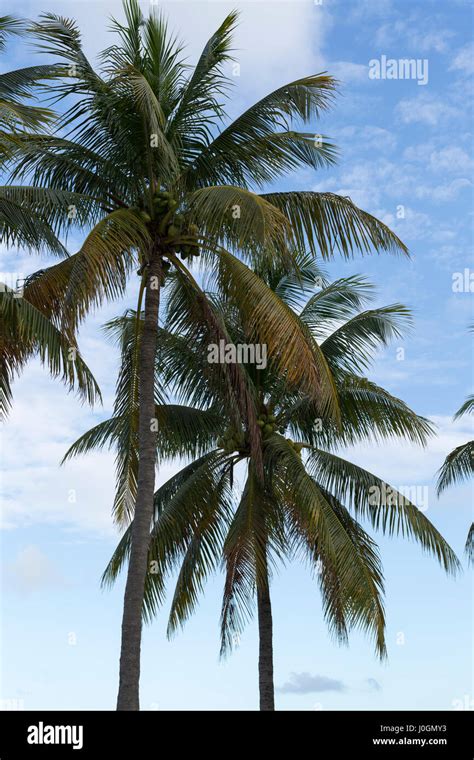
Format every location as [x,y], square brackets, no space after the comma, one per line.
[302,506]
[25,330]
[459,465]
[140,158]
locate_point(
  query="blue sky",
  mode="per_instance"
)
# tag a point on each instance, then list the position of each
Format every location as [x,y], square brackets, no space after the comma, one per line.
[406,156]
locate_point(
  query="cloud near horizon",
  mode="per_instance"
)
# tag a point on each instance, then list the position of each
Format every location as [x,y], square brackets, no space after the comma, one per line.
[305,683]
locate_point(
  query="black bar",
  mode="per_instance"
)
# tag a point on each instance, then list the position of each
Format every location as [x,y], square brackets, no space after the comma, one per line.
[420,734]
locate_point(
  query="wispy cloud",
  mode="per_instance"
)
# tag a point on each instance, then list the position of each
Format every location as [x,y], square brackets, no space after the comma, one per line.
[374,684]
[426,109]
[305,683]
[32,570]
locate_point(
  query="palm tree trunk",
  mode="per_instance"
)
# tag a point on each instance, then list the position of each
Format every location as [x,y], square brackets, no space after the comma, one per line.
[128,695]
[265,630]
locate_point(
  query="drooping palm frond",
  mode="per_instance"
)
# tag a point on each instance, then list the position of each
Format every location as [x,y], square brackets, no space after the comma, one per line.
[466,408]
[335,301]
[50,210]
[238,219]
[27,332]
[373,499]
[98,271]
[9,25]
[458,466]
[350,574]
[239,561]
[469,548]
[270,322]
[16,87]
[368,413]
[21,226]
[184,508]
[352,345]
[326,223]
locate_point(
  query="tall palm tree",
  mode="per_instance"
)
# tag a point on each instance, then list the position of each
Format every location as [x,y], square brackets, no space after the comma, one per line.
[140,157]
[306,505]
[459,465]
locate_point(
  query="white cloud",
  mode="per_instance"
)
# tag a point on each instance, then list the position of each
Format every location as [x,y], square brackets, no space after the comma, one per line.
[445,192]
[305,683]
[416,225]
[43,423]
[416,41]
[354,139]
[425,109]
[368,182]
[32,570]
[451,159]
[348,72]
[464,60]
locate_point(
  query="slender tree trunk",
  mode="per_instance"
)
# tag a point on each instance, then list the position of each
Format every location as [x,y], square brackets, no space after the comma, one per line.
[128,695]
[265,630]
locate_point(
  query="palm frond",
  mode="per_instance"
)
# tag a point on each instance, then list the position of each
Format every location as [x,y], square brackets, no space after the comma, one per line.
[27,332]
[466,408]
[326,223]
[247,150]
[458,466]
[386,508]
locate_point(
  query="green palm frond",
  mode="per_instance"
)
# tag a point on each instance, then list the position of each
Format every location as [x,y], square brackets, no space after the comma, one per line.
[295,286]
[469,548]
[9,25]
[239,153]
[98,271]
[17,86]
[49,208]
[101,435]
[458,466]
[335,301]
[239,219]
[199,103]
[368,413]
[350,574]
[27,332]
[326,223]
[386,508]
[182,507]
[466,408]
[271,322]
[21,226]
[352,345]
[240,567]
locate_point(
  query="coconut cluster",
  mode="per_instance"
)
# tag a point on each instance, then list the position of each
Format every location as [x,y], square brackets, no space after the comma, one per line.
[231,440]
[172,224]
[267,424]
[177,226]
